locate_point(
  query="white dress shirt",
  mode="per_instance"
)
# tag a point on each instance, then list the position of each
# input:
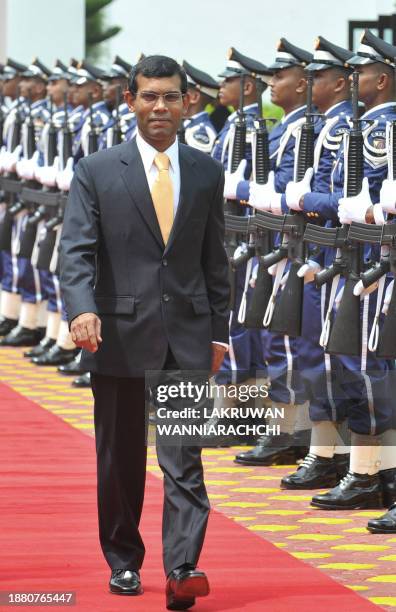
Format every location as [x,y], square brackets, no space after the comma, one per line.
[148,153]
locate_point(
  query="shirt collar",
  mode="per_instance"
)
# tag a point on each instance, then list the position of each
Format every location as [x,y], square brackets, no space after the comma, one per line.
[148,153]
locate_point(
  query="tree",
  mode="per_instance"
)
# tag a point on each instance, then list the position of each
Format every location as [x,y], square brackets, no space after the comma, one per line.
[96,31]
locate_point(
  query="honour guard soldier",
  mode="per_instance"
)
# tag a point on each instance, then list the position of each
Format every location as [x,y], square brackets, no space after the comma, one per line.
[33,307]
[326,462]
[238,88]
[10,302]
[203,90]
[115,83]
[366,381]
[288,90]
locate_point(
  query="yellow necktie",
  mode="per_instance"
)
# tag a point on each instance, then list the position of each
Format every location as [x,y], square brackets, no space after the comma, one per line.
[162,195]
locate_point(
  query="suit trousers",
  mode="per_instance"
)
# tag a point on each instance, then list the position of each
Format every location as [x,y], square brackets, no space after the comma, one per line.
[120,431]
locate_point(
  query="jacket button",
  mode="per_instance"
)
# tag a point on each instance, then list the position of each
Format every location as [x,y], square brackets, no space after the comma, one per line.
[164,262]
[166,297]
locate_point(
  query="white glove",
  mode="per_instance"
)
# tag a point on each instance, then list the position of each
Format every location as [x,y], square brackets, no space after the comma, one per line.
[260,196]
[12,159]
[27,168]
[308,270]
[387,298]
[295,191]
[64,178]
[388,196]
[273,270]
[231,180]
[46,175]
[355,207]
[3,157]
[360,289]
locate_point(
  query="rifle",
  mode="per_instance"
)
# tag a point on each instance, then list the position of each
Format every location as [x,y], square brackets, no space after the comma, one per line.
[67,139]
[232,208]
[117,133]
[93,134]
[263,243]
[284,315]
[343,334]
[2,117]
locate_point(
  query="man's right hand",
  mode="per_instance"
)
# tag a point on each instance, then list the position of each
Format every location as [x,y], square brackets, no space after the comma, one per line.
[85,331]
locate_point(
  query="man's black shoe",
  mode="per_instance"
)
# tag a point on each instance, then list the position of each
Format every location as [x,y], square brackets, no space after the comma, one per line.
[73,368]
[313,473]
[55,356]
[385,523]
[22,336]
[353,492]
[270,450]
[317,472]
[6,325]
[83,381]
[388,482]
[41,348]
[125,582]
[183,585]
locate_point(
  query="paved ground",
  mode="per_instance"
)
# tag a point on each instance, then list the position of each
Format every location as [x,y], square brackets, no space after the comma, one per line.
[336,542]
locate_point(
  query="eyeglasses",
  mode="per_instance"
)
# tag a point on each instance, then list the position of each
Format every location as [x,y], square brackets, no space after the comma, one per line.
[170,97]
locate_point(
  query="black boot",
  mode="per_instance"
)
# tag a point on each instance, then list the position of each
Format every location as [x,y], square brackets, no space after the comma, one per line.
[385,523]
[83,381]
[6,325]
[22,336]
[40,349]
[270,450]
[341,464]
[353,492]
[55,356]
[314,473]
[388,482]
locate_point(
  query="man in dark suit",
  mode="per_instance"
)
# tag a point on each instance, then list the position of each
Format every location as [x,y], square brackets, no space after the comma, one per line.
[143,266]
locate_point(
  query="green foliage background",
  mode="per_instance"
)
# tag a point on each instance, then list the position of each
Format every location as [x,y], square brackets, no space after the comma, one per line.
[96,29]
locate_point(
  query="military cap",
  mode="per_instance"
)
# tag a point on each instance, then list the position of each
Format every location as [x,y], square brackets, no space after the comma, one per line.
[12,69]
[327,55]
[119,69]
[373,50]
[37,70]
[201,80]
[140,57]
[59,71]
[86,72]
[239,64]
[72,70]
[289,55]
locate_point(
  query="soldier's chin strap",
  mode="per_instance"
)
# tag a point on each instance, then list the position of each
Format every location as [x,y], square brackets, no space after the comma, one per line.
[280,268]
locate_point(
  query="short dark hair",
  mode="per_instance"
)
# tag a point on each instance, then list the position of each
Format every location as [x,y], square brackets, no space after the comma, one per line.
[157,66]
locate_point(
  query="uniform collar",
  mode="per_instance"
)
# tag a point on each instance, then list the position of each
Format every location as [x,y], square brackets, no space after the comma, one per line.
[330,111]
[148,153]
[377,109]
[299,110]
[247,108]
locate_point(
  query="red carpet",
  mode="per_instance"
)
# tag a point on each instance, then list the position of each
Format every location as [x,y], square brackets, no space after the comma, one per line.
[49,534]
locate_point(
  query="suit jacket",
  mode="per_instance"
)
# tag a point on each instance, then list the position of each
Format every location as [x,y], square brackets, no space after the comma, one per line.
[113,262]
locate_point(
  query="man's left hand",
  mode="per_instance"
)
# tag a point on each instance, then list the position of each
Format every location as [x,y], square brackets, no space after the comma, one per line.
[355,207]
[218,352]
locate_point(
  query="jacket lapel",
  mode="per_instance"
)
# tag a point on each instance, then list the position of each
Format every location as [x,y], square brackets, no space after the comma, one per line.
[135,180]
[188,182]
